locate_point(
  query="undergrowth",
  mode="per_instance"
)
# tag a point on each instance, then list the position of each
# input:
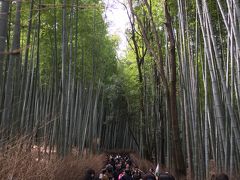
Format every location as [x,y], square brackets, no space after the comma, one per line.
[21,163]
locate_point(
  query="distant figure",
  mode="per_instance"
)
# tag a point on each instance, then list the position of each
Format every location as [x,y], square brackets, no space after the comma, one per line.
[127,175]
[222,176]
[137,174]
[103,175]
[121,175]
[117,171]
[90,174]
[150,175]
[109,169]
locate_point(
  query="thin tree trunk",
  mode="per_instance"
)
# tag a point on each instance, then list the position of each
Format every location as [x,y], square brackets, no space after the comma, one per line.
[14,56]
[64,80]
[3,37]
[25,68]
[180,163]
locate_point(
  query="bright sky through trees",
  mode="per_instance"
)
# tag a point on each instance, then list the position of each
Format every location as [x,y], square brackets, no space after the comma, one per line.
[116,16]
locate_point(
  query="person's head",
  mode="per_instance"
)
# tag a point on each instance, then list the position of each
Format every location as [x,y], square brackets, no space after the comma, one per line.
[157,174]
[90,174]
[128,172]
[129,162]
[104,171]
[127,166]
[118,166]
[221,176]
[109,168]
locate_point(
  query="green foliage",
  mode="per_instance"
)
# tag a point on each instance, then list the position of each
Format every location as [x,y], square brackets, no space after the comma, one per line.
[92,43]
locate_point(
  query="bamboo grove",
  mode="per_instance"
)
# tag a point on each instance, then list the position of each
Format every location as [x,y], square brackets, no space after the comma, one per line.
[187,64]
[56,59]
[174,97]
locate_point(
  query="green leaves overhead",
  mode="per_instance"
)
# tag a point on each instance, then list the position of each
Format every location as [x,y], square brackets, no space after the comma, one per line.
[93,45]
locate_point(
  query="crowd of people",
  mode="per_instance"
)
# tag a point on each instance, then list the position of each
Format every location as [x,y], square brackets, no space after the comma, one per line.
[122,168]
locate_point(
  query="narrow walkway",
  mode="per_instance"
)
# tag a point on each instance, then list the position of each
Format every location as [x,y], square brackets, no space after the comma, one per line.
[123,167]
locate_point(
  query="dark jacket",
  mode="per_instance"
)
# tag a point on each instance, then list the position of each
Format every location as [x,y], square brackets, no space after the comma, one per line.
[126,177]
[149,176]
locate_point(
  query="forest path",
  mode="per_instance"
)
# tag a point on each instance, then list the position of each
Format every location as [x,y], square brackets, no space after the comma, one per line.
[127,164]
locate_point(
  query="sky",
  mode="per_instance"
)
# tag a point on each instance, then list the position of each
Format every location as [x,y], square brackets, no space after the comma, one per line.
[116,17]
